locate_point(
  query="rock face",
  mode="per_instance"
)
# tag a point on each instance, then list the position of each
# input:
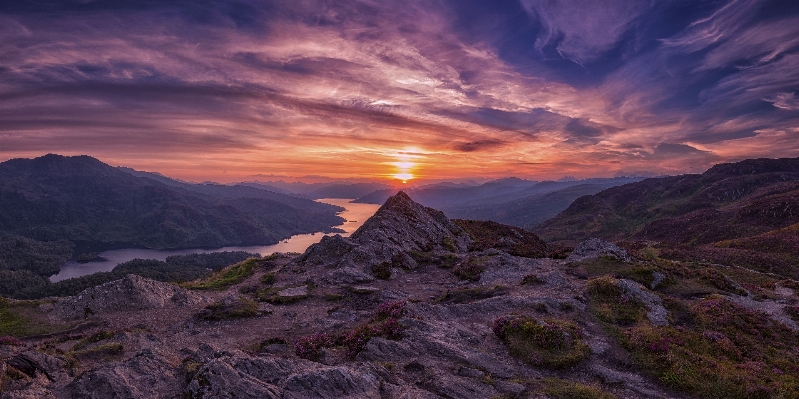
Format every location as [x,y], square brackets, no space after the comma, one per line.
[130,293]
[594,248]
[400,227]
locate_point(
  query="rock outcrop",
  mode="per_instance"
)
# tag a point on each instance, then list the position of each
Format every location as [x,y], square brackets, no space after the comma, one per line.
[130,293]
[594,248]
[399,228]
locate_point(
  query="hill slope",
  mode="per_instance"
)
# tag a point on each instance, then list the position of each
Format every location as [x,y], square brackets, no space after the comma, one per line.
[733,213]
[85,201]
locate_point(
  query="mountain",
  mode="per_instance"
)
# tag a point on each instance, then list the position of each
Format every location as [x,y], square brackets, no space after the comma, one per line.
[414,306]
[512,201]
[96,206]
[535,208]
[744,213]
[353,190]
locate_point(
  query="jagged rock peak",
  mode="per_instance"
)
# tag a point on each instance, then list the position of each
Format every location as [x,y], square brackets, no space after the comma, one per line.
[398,229]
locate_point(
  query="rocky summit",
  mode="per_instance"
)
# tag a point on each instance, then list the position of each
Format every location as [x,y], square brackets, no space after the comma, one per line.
[414,305]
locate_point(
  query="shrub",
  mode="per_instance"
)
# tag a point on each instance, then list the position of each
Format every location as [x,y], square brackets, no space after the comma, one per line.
[552,343]
[310,347]
[471,269]
[384,323]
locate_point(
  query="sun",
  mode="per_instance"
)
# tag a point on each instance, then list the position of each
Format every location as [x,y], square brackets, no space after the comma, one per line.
[404,164]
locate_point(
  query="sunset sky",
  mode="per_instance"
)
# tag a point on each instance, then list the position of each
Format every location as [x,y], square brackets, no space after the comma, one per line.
[425,89]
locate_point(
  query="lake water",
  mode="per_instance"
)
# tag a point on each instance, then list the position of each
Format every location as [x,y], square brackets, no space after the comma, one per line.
[355,215]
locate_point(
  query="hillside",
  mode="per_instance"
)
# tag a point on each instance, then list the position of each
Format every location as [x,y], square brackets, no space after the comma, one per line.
[415,305]
[96,206]
[739,213]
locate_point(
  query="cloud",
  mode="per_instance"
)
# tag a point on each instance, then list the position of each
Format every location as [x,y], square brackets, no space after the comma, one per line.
[583,30]
[786,101]
[315,87]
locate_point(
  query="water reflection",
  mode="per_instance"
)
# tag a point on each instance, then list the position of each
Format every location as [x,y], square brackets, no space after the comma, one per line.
[354,214]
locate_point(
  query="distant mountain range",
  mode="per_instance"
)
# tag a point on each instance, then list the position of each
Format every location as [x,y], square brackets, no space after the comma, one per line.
[744,213]
[319,190]
[96,206]
[513,201]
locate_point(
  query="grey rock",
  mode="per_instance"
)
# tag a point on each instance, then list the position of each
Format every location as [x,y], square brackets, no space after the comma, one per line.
[332,382]
[130,293]
[399,227]
[470,372]
[218,379]
[451,386]
[657,279]
[300,291]
[656,313]
[594,248]
[145,375]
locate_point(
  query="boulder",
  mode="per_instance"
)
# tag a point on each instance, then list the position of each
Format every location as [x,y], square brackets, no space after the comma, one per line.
[130,293]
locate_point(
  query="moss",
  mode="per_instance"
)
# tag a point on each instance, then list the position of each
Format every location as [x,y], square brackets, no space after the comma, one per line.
[561,389]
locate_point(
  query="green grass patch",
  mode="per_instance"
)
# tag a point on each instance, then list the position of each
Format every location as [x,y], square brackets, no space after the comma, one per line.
[226,277]
[23,318]
[551,343]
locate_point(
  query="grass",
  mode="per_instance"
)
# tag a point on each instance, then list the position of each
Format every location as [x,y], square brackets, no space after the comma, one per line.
[611,305]
[552,343]
[731,352]
[23,318]
[226,277]
[561,389]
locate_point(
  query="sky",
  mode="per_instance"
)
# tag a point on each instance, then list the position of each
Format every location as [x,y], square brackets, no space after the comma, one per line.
[231,90]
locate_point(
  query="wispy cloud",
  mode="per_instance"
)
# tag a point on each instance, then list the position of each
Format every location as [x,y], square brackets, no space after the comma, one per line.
[319,87]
